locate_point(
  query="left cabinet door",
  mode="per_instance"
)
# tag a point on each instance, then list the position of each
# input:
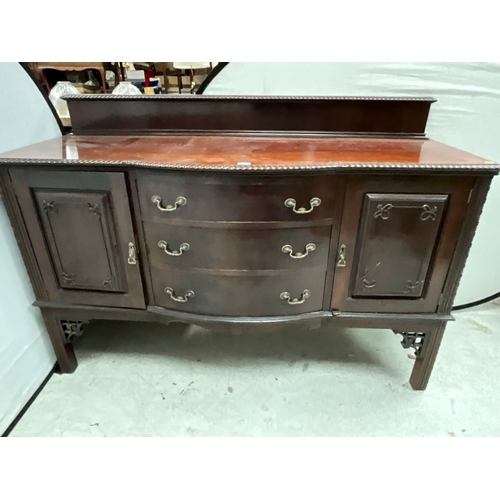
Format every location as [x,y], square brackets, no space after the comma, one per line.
[80,226]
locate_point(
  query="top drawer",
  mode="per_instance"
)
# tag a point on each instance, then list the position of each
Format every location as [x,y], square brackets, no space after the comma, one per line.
[203,197]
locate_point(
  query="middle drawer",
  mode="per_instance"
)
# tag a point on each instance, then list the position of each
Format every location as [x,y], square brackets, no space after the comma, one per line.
[237,249]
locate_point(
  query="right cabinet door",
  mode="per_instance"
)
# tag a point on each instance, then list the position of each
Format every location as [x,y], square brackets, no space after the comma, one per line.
[396,242]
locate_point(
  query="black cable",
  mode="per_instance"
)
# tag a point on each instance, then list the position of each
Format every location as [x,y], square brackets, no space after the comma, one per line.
[476,303]
[220,66]
[30,401]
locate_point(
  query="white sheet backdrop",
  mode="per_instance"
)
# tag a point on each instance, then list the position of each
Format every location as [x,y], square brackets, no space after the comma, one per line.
[26,356]
[467,116]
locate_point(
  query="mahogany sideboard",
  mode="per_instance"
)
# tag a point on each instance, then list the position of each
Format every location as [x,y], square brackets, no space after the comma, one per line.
[246,212]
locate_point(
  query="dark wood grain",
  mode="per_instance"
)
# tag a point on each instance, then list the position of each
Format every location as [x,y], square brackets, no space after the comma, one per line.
[235,198]
[65,353]
[334,241]
[248,324]
[361,320]
[86,247]
[271,154]
[397,238]
[22,236]
[244,249]
[143,259]
[474,208]
[424,364]
[159,114]
[405,211]
[241,294]
[77,226]
[406,235]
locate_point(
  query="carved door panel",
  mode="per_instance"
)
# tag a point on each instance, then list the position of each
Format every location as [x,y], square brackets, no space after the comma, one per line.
[396,242]
[81,230]
[397,237]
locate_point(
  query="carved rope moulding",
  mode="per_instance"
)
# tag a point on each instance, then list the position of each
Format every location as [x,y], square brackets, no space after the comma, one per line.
[108,97]
[330,167]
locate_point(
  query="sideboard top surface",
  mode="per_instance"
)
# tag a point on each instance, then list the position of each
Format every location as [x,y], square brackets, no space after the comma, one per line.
[249,153]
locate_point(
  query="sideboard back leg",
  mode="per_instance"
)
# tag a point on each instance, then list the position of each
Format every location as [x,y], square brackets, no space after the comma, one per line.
[426,345]
[426,357]
[61,341]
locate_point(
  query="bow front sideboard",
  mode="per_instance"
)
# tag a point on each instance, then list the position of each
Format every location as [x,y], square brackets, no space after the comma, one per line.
[249,213]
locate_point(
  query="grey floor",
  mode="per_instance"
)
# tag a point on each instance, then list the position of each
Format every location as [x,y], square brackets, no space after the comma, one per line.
[137,379]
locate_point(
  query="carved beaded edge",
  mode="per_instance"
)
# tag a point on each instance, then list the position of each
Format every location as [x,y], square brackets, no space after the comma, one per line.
[329,167]
[111,97]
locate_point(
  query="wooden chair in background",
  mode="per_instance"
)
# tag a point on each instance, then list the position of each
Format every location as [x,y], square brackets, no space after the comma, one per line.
[40,67]
[190,68]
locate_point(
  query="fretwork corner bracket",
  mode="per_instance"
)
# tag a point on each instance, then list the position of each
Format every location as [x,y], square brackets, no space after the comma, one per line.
[415,340]
[72,329]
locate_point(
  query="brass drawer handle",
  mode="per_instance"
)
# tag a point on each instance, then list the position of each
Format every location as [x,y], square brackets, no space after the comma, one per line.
[179,202]
[341,262]
[295,302]
[170,291]
[132,259]
[174,253]
[310,247]
[291,203]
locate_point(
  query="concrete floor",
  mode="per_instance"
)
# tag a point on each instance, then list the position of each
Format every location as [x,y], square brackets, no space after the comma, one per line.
[138,379]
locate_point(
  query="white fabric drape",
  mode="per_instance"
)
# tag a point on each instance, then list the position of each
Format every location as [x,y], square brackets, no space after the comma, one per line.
[26,356]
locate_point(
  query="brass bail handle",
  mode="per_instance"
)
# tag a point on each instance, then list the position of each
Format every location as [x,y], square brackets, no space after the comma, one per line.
[170,291]
[295,302]
[291,203]
[184,247]
[310,247]
[179,202]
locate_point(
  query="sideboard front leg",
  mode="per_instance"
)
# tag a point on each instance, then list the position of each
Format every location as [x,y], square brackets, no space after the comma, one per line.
[426,345]
[61,333]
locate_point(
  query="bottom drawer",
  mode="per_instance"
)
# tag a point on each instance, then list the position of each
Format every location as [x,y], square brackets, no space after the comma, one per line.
[239,295]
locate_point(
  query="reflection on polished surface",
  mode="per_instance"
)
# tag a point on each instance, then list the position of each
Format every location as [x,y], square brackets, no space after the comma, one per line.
[230,150]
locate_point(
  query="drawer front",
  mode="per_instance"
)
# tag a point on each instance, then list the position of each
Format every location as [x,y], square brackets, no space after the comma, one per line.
[239,249]
[219,198]
[238,295]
